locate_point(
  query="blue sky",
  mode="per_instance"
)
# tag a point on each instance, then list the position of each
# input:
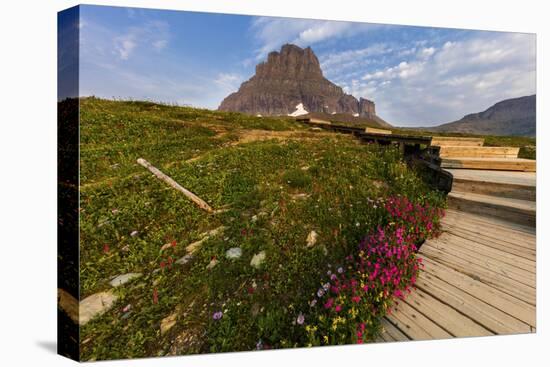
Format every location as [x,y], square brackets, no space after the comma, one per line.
[417,76]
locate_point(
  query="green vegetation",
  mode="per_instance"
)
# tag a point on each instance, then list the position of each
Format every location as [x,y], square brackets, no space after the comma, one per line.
[275,188]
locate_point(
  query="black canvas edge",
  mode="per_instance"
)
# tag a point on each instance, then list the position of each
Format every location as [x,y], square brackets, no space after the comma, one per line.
[68,292]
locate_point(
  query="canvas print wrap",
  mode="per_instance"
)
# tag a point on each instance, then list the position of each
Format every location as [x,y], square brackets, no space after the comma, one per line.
[243,183]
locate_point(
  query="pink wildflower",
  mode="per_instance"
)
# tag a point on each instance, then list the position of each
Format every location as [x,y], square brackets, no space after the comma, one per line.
[329,303]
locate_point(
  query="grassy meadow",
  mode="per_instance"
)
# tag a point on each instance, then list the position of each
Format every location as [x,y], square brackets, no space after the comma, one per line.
[273,182]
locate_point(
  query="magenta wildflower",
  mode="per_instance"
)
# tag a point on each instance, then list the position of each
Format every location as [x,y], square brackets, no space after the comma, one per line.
[329,303]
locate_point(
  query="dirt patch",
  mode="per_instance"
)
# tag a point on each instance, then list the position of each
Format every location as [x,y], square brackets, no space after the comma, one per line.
[247,136]
[190,341]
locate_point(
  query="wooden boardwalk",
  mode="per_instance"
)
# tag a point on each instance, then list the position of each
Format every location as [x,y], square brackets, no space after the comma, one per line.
[480,275]
[478,280]
[470,153]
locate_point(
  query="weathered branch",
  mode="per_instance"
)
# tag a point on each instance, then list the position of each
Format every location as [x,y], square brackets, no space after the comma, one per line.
[197,200]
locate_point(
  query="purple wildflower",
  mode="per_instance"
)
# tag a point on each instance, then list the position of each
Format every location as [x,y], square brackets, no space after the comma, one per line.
[217,315]
[300,319]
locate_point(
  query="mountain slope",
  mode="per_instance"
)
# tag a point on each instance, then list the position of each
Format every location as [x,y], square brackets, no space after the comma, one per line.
[516,116]
[291,82]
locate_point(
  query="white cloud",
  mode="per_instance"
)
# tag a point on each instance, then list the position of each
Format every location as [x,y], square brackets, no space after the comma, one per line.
[228,81]
[408,70]
[427,52]
[160,44]
[124,46]
[153,34]
[320,31]
[271,33]
[440,85]
[336,62]
[99,42]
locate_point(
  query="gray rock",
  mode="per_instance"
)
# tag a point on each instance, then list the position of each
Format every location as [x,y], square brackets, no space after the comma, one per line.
[257,259]
[233,253]
[213,232]
[95,305]
[184,260]
[195,245]
[211,264]
[124,278]
[168,322]
[311,239]
[205,236]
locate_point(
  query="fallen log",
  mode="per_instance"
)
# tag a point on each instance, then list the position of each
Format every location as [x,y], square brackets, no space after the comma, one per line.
[197,200]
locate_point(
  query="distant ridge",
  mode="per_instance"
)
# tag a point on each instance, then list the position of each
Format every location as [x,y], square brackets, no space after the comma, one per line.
[516,116]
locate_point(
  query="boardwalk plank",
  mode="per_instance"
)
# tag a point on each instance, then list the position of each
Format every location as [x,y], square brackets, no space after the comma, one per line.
[482,274]
[499,164]
[460,250]
[479,248]
[513,210]
[447,317]
[506,247]
[391,332]
[495,320]
[493,296]
[416,325]
[493,229]
[518,231]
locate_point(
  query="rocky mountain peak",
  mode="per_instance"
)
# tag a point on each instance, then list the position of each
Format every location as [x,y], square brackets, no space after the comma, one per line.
[291,62]
[290,78]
